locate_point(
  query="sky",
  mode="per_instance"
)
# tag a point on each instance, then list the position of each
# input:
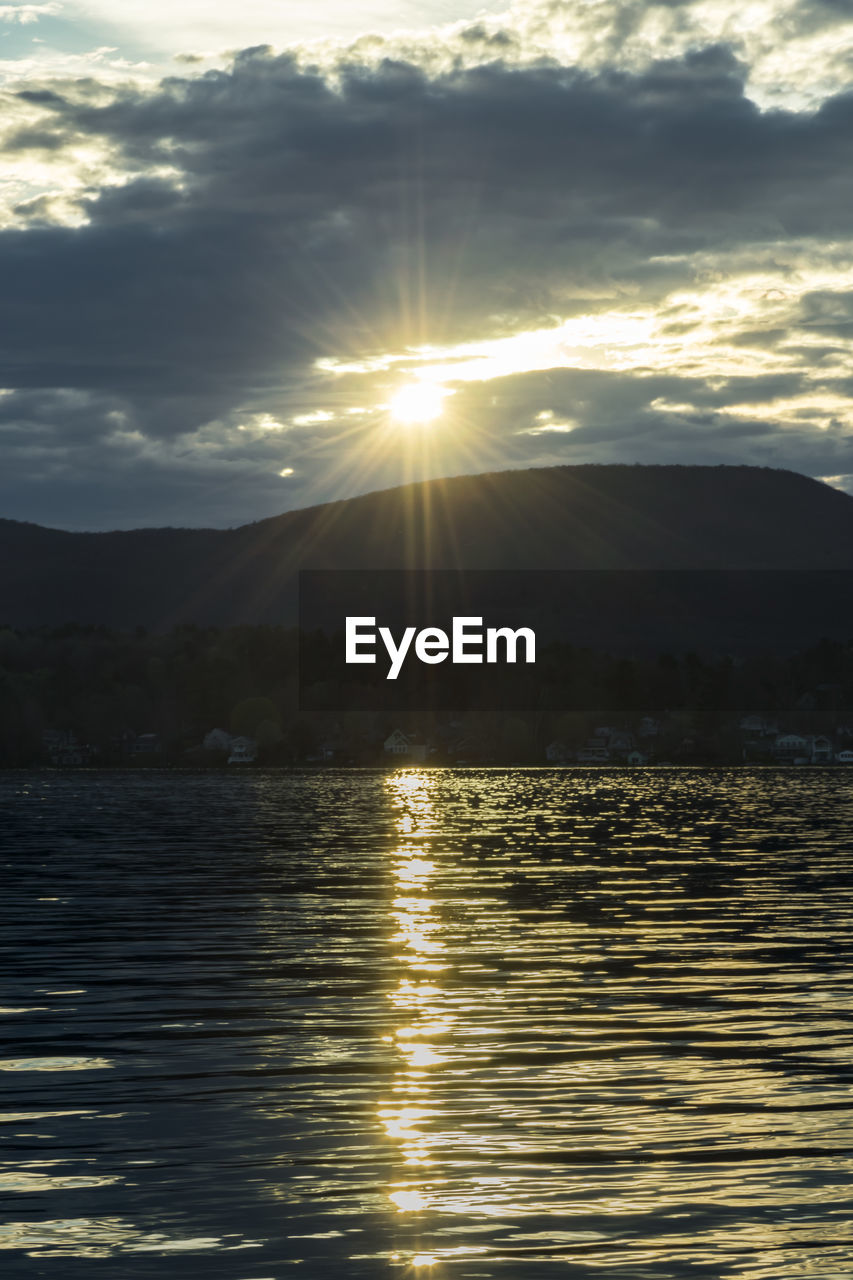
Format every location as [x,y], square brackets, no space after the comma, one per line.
[260,255]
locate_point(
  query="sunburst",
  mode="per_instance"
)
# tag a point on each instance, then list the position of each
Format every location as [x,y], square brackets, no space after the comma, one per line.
[418,403]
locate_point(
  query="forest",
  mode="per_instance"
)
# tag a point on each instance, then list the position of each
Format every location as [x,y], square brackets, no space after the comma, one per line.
[146,698]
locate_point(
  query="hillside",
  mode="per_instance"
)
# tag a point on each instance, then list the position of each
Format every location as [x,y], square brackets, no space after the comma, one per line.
[585,517]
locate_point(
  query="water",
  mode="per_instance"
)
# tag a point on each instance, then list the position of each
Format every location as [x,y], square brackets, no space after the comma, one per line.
[484,1023]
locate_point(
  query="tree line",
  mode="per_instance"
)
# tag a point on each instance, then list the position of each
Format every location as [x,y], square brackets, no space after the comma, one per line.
[107,687]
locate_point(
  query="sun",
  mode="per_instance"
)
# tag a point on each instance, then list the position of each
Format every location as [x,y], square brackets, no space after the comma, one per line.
[418,402]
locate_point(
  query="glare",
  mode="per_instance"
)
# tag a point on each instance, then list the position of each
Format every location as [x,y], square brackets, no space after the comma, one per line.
[402,1123]
[418,402]
[420,1055]
[414,873]
[408,1200]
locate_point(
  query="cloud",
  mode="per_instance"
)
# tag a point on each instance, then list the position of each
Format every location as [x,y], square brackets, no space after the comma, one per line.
[28,13]
[629,244]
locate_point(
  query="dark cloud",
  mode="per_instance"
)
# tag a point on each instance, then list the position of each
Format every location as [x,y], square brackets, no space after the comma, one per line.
[269,215]
[827,311]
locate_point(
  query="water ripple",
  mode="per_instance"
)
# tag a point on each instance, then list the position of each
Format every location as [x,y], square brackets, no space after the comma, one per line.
[485,1023]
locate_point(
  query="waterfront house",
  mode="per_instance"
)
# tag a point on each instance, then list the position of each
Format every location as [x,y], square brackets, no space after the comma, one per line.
[595,751]
[620,742]
[755,726]
[64,751]
[405,745]
[243,751]
[790,746]
[820,749]
[397,743]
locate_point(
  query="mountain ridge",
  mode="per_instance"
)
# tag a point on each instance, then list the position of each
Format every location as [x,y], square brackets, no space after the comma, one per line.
[593,516]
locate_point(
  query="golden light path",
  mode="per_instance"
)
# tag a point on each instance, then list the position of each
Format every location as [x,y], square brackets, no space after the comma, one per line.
[418,997]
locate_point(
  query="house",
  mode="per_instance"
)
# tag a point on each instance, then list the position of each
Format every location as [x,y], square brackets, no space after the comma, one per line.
[815,749]
[397,743]
[756,726]
[57,742]
[595,751]
[559,753]
[844,757]
[790,746]
[649,727]
[405,745]
[146,744]
[64,751]
[217,740]
[636,758]
[243,751]
[620,742]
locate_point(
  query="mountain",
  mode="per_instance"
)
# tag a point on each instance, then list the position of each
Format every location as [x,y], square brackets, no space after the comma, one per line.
[583,517]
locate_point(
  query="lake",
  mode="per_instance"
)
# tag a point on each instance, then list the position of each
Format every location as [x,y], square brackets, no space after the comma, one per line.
[438,1023]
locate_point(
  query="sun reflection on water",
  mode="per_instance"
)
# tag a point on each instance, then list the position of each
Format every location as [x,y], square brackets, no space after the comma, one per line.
[410,1117]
